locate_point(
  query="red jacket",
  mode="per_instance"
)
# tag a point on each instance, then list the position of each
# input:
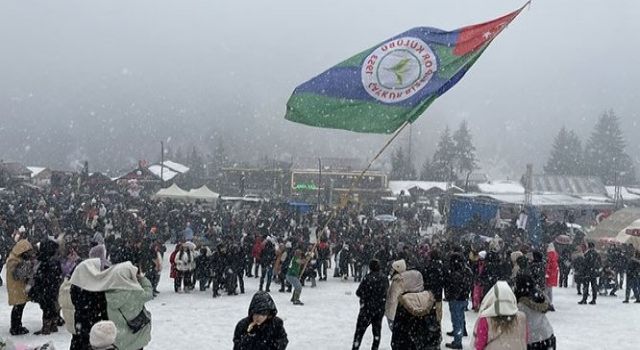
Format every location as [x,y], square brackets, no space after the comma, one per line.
[257,248]
[172,260]
[552,269]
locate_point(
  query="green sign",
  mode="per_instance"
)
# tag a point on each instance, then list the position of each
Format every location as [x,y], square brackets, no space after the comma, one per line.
[306,187]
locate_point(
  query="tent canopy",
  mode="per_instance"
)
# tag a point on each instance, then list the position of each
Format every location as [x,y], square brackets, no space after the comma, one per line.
[203,193]
[173,192]
[616,222]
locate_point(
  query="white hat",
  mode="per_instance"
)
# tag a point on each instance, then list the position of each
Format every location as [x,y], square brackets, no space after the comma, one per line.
[22,229]
[103,334]
[399,266]
[482,254]
[499,301]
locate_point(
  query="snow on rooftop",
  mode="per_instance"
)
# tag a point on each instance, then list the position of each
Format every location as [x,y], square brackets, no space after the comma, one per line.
[398,186]
[35,170]
[177,167]
[167,174]
[501,187]
[624,192]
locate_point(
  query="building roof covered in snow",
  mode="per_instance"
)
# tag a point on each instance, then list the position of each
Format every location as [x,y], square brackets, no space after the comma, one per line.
[167,173]
[36,170]
[397,187]
[547,201]
[501,187]
[176,167]
[577,185]
[626,194]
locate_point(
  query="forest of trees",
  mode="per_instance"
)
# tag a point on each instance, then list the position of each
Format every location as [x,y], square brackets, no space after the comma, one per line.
[455,156]
[603,155]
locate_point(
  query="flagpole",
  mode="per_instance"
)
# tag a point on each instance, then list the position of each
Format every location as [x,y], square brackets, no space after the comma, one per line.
[353,184]
[359,177]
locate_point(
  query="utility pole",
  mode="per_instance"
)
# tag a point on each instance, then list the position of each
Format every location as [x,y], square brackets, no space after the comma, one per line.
[617,196]
[161,162]
[319,181]
[528,186]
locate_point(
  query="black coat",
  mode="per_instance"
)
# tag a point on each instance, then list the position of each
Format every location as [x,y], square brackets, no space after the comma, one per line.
[592,264]
[372,292]
[413,332]
[48,276]
[268,255]
[496,269]
[459,279]
[270,335]
[90,308]
[433,275]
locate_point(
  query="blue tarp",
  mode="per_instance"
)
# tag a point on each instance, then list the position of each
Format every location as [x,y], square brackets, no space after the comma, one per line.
[300,207]
[462,210]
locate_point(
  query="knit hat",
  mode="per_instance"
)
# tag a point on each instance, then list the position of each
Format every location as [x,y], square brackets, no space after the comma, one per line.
[482,254]
[499,301]
[374,265]
[399,266]
[103,335]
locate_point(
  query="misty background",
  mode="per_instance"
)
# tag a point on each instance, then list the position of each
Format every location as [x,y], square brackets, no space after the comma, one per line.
[106,81]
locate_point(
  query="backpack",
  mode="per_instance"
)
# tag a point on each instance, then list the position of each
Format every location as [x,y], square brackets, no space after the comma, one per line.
[418,304]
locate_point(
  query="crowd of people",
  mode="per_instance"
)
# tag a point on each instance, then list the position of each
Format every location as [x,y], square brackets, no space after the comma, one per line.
[86,259]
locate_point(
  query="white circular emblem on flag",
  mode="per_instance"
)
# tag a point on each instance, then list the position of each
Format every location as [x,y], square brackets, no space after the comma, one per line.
[398,69]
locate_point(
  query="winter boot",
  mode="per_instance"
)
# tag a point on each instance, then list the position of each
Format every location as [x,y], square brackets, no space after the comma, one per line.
[313,282]
[46,327]
[19,331]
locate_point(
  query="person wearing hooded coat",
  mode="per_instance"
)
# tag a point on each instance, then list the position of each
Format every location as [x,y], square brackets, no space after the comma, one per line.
[46,284]
[534,303]
[117,294]
[500,325]
[19,270]
[411,312]
[457,289]
[372,292]
[261,329]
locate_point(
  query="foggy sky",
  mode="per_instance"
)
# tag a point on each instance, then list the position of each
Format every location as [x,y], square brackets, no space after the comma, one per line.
[107,80]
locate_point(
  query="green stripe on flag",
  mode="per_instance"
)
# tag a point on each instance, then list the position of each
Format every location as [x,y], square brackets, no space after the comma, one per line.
[353,115]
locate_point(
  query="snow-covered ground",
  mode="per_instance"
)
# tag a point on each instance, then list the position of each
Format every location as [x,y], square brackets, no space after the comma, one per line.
[328,318]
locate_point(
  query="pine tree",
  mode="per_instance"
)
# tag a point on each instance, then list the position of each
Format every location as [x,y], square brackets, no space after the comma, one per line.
[426,173]
[605,154]
[443,164]
[465,152]
[196,167]
[566,155]
[220,159]
[401,166]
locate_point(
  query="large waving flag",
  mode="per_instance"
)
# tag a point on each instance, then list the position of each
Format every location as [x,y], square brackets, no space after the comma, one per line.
[378,90]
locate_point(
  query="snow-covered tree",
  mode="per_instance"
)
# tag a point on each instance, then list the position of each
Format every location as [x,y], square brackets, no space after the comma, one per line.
[567,156]
[426,172]
[605,154]
[402,167]
[465,152]
[444,158]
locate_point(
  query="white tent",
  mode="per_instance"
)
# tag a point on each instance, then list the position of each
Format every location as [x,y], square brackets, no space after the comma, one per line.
[203,193]
[173,192]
